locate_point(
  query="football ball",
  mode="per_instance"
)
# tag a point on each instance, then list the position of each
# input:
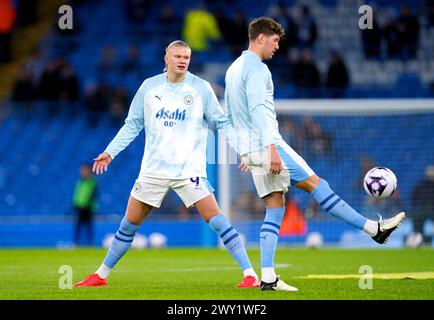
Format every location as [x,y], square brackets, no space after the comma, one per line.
[380,182]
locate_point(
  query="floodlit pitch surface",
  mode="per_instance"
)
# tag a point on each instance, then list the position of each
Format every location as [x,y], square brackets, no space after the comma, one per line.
[211,274]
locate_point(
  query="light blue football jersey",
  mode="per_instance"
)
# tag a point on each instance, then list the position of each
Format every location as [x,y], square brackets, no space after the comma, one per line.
[175,117]
[249,103]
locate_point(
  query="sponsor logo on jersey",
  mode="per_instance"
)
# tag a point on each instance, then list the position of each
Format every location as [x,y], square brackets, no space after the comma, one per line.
[170,117]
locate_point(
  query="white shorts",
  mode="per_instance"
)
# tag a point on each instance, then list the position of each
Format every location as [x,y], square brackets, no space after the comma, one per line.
[294,170]
[153,190]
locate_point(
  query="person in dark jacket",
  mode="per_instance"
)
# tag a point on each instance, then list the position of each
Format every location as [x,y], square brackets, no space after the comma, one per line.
[337,76]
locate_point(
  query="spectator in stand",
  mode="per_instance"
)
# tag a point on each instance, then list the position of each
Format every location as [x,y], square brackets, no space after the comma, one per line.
[119,106]
[24,92]
[69,86]
[137,10]
[280,13]
[291,61]
[408,28]
[224,24]
[236,37]
[7,21]
[306,75]
[306,28]
[199,30]
[96,101]
[366,165]
[169,23]
[200,26]
[291,134]
[133,63]
[49,82]
[108,63]
[337,76]
[318,142]
[27,12]
[392,36]
[429,10]
[371,39]
[35,66]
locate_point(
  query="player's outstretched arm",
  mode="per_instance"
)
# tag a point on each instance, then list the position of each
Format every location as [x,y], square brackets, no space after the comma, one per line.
[101,163]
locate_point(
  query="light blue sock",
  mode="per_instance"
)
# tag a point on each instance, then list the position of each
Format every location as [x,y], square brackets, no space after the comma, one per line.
[337,207]
[121,242]
[269,235]
[231,240]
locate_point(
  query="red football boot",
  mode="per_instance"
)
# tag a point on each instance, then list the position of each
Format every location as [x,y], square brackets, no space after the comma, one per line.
[249,282]
[92,281]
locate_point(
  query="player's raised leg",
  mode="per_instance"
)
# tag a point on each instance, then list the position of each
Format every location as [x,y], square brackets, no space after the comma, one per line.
[211,213]
[304,178]
[269,237]
[136,213]
[333,204]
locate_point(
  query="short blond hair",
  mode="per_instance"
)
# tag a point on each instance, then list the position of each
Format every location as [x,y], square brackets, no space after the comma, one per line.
[177,43]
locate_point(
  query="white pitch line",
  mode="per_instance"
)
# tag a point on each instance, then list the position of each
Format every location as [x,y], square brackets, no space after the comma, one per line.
[385,276]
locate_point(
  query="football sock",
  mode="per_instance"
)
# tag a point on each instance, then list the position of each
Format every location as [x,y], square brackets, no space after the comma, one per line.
[121,242]
[371,227]
[337,207]
[231,240]
[268,237]
[250,272]
[268,275]
[103,271]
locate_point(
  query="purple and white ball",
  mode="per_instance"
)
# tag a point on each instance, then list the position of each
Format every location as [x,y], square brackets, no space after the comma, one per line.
[380,182]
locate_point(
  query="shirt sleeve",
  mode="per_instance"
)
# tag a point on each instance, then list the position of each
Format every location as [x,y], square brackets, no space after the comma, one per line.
[214,113]
[228,107]
[256,92]
[134,123]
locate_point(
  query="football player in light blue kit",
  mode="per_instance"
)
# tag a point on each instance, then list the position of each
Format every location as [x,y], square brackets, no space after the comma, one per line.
[274,164]
[174,108]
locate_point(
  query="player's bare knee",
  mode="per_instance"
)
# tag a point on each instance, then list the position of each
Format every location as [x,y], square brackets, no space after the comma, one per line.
[137,211]
[274,200]
[309,184]
[208,209]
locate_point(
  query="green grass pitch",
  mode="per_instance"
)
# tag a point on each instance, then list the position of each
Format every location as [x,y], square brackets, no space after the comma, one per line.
[211,274]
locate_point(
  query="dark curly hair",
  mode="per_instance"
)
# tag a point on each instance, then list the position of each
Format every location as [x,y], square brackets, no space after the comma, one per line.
[266,26]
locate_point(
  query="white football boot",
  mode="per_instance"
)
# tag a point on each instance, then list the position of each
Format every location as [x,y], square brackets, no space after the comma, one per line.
[386,227]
